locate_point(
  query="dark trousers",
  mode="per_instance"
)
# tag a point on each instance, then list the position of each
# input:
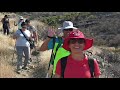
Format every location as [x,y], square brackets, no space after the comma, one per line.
[6,30]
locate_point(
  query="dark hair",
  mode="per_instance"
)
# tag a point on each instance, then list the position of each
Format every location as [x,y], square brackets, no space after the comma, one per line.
[23,24]
[27,21]
[6,16]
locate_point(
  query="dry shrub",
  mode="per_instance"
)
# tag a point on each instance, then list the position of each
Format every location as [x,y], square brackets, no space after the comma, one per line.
[6,44]
[6,71]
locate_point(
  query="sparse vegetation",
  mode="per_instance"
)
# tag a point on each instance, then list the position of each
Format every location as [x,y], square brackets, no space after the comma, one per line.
[102,26]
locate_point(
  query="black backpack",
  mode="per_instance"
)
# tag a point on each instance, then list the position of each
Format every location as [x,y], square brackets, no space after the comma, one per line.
[64,62]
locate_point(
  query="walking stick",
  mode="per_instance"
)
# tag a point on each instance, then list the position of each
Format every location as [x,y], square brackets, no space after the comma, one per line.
[53,55]
[51,58]
[47,75]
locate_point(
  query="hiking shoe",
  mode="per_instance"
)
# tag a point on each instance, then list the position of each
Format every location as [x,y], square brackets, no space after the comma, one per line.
[30,60]
[25,68]
[18,71]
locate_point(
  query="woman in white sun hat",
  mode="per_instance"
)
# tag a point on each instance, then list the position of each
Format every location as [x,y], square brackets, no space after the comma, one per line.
[53,43]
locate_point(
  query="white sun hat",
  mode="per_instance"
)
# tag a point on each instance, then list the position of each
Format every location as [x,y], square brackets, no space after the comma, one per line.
[21,17]
[67,25]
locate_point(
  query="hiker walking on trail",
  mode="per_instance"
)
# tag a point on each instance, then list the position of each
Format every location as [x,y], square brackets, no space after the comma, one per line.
[21,19]
[34,34]
[6,25]
[22,46]
[55,43]
[77,64]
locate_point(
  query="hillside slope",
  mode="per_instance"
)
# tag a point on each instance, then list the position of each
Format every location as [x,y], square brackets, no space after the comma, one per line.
[40,62]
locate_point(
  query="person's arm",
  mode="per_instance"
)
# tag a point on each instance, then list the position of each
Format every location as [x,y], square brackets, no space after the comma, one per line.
[1,20]
[14,36]
[97,69]
[15,24]
[58,70]
[35,35]
[44,46]
[8,23]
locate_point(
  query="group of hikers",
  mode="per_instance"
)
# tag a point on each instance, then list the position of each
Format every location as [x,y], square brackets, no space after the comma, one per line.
[68,56]
[26,40]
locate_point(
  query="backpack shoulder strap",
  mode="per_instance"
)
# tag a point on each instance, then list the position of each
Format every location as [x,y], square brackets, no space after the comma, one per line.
[63,65]
[24,35]
[91,65]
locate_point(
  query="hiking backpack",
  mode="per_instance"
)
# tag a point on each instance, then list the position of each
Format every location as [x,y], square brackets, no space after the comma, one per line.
[64,62]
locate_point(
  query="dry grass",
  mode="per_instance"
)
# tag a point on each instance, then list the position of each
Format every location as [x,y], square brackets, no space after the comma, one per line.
[6,43]
[6,71]
[7,67]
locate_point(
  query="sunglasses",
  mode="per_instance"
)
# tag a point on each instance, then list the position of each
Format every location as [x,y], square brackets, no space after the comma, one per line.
[24,27]
[70,29]
[73,41]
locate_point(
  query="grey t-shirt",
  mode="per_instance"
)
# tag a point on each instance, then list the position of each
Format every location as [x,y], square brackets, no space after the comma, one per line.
[21,40]
[31,29]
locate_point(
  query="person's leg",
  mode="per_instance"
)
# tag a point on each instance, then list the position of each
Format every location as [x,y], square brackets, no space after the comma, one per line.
[27,56]
[31,50]
[4,31]
[19,57]
[8,31]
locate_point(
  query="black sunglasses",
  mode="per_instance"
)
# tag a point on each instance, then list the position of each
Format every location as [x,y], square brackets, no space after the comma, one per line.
[70,29]
[24,27]
[74,40]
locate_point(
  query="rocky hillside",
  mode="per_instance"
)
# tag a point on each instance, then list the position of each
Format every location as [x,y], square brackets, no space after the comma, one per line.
[102,26]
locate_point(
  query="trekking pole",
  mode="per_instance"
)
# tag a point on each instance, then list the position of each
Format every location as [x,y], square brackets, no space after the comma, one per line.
[51,58]
[47,75]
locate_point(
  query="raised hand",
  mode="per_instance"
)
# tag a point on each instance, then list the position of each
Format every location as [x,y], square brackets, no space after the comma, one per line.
[51,31]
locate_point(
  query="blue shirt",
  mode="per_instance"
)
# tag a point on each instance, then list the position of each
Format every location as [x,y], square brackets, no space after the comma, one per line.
[50,44]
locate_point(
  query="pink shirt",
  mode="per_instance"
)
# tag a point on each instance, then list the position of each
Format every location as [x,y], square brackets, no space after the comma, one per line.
[77,69]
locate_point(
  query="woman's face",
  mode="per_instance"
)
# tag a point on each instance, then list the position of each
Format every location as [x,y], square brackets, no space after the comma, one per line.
[24,27]
[76,45]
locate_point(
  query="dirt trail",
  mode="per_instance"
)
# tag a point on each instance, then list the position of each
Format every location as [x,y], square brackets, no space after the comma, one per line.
[40,65]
